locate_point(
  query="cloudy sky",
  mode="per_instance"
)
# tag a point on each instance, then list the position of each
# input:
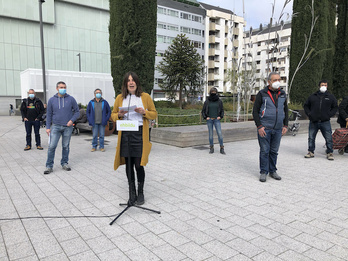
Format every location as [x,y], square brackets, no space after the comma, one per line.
[256,11]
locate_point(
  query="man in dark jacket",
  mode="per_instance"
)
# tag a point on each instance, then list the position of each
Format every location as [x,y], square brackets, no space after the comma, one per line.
[32,110]
[98,114]
[270,114]
[320,107]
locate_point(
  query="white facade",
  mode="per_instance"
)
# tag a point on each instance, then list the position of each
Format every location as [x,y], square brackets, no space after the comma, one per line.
[268,51]
[224,41]
[175,18]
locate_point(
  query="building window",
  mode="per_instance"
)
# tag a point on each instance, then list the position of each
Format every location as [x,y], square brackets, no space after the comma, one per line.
[161,10]
[258,53]
[185,30]
[173,13]
[196,31]
[185,16]
[197,44]
[196,18]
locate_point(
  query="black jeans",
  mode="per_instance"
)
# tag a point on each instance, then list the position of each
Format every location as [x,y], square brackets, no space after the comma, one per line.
[135,162]
[28,127]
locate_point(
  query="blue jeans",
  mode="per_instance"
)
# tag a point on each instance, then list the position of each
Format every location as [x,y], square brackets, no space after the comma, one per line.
[326,131]
[56,132]
[217,125]
[28,127]
[269,146]
[98,128]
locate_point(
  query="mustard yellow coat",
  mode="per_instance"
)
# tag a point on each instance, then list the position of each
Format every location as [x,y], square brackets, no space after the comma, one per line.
[150,114]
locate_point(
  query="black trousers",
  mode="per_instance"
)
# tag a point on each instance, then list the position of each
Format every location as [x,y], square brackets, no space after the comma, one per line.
[135,162]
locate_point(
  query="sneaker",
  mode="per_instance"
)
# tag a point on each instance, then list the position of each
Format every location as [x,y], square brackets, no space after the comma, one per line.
[222,150]
[263,177]
[211,150]
[309,155]
[48,170]
[102,150]
[330,156]
[93,149]
[39,147]
[66,167]
[275,175]
[27,147]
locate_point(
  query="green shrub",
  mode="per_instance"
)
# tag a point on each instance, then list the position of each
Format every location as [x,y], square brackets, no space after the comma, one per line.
[168,117]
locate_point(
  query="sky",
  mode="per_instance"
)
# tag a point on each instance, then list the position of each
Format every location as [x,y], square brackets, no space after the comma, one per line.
[256,11]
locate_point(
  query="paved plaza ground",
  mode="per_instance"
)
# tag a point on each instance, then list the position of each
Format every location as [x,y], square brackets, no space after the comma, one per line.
[212,206]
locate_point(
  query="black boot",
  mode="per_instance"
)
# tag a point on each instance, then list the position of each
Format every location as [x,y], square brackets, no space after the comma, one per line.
[211,151]
[132,193]
[222,150]
[141,198]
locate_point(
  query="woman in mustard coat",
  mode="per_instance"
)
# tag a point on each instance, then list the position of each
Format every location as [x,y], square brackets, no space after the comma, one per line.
[138,141]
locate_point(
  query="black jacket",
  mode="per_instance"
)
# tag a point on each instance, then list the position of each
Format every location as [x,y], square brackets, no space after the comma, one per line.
[39,108]
[205,110]
[343,112]
[320,106]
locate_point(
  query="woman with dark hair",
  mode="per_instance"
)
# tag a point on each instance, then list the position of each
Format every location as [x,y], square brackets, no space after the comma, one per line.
[134,144]
[213,112]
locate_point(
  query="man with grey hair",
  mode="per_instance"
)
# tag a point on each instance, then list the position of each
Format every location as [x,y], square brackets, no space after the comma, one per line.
[270,114]
[98,113]
[32,110]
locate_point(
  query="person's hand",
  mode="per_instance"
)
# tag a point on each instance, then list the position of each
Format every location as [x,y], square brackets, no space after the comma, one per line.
[346,119]
[284,130]
[219,118]
[70,123]
[140,110]
[121,113]
[48,131]
[25,119]
[208,118]
[262,132]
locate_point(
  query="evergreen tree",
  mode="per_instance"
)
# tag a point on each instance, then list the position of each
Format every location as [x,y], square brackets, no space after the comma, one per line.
[340,81]
[316,57]
[182,68]
[132,37]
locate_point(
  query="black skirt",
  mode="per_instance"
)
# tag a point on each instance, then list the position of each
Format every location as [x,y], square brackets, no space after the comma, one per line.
[135,141]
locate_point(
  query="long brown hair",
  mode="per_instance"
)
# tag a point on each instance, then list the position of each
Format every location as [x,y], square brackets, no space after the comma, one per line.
[135,77]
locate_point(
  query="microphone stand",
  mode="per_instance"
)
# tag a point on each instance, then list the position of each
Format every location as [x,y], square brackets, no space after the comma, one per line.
[129,203]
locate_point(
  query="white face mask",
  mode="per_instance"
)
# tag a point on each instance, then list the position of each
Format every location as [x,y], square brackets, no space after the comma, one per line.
[276,85]
[323,89]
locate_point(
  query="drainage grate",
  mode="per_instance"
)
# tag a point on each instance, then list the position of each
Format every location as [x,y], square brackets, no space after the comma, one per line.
[201,147]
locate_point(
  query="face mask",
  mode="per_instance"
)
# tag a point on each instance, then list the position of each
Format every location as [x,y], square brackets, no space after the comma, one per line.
[213,94]
[323,89]
[62,91]
[98,95]
[276,85]
[31,96]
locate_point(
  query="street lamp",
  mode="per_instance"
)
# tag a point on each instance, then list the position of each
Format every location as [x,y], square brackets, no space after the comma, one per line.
[79,55]
[42,51]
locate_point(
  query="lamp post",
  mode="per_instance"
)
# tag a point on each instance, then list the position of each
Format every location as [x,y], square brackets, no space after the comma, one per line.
[42,52]
[79,55]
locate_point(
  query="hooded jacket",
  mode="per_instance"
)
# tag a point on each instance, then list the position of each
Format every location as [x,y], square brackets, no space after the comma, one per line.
[205,110]
[343,112]
[60,110]
[106,112]
[320,106]
[38,106]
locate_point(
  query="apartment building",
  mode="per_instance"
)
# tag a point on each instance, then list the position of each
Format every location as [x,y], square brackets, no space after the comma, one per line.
[224,39]
[175,18]
[267,50]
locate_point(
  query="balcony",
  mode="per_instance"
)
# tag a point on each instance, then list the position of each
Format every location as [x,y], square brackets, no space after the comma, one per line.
[225,53]
[211,64]
[211,38]
[212,27]
[211,77]
[235,43]
[225,65]
[226,41]
[226,28]
[235,31]
[211,52]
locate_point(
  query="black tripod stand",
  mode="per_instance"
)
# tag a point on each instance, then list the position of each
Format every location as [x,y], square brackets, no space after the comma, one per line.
[130,203]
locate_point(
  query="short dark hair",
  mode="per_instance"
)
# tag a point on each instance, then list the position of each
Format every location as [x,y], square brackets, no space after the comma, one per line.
[60,82]
[323,81]
[98,90]
[213,89]
[124,89]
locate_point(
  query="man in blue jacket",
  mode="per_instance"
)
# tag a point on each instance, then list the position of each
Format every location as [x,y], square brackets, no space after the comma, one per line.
[98,114]
[319,108]
[62,112]
[270,114]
